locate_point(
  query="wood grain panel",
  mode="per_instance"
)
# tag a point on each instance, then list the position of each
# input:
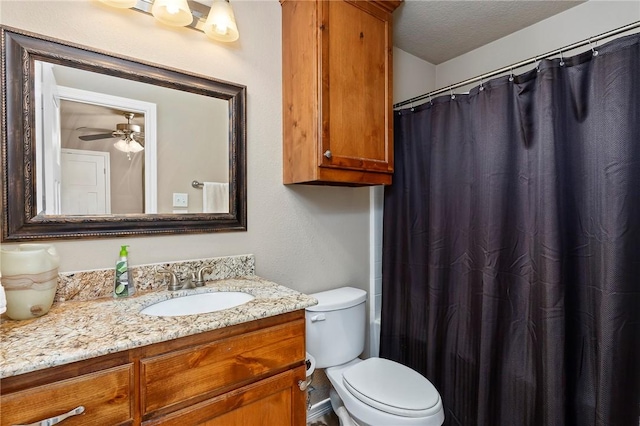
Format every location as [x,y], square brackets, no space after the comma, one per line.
[105,396]
[354,83]
[276,400]
[54,374]
[300,90]
[201,372]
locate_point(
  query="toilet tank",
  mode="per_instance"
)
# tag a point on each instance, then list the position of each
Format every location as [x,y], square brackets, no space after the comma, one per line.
[335,327]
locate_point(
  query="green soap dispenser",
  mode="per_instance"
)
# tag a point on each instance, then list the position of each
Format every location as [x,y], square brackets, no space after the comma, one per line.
[123,285]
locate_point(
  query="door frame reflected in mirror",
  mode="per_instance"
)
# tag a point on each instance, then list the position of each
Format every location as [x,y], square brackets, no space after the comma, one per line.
[148,111]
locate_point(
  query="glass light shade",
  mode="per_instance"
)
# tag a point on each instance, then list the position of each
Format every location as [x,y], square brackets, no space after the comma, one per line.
[134,146]
[122,145]
[172,12]
[221,22]
[128,145]
[123,4]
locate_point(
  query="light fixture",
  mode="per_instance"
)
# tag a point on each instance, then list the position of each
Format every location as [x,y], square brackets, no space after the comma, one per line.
[172,12]
[128,145]
[123,4]
[221,22]
[218,22]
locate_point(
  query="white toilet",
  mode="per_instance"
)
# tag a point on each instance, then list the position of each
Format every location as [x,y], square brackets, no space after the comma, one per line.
[375,391]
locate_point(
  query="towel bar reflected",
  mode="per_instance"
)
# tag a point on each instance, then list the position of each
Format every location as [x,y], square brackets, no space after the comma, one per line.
[197,184]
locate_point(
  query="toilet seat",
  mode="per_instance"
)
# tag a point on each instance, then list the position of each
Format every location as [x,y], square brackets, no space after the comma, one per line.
[392,387]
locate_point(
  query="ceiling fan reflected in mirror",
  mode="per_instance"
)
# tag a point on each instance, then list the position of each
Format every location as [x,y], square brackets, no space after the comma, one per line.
[130,136]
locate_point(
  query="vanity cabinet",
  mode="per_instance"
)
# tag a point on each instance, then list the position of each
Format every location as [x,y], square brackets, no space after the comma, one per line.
[337,92]
[246,374]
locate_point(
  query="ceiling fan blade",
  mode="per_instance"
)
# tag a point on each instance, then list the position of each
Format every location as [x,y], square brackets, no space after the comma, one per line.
[97,137]
[93,129]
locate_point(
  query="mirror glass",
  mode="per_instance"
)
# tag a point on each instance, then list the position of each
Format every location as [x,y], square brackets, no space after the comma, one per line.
[83,125]
[100,145]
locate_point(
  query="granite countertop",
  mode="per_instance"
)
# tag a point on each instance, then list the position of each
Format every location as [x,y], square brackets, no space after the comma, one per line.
[78,330]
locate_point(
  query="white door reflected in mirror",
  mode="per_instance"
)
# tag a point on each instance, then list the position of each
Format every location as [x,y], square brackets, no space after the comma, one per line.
[85,180]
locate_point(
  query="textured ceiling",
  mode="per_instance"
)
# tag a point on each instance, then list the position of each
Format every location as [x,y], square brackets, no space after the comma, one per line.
[437,31]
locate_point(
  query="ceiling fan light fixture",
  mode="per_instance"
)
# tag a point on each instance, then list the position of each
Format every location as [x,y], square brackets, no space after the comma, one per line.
[121,145]
[128,145]
[172,12]
[221,22]
[134,146]
[122,4]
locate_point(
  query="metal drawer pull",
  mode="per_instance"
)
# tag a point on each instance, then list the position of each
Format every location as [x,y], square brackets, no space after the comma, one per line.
[55,420]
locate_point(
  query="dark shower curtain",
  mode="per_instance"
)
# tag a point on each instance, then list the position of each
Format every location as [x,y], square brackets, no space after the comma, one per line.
[511,245]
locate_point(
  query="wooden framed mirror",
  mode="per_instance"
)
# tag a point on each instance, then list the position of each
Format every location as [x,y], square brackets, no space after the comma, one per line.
[168,114]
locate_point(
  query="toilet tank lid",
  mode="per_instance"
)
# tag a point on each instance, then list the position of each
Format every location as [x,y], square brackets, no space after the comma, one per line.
[339,298]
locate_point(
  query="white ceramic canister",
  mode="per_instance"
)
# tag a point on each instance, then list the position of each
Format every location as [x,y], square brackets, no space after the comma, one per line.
[30,279]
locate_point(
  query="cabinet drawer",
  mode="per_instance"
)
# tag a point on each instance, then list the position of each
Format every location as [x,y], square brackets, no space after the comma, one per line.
[276,400]
[201,372]
[105,396]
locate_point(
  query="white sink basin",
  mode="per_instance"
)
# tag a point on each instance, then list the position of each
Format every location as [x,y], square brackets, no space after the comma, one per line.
[197,304]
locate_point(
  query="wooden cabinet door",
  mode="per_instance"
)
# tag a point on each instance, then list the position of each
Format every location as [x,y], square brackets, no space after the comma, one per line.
[337,92]
[276,400]
[105,395]
[355,68]
[178,378]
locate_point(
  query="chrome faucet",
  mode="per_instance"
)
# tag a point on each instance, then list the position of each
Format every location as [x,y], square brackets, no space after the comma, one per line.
[199,280]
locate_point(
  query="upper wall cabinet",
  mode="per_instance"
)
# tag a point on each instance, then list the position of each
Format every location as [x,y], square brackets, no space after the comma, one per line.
[337,99]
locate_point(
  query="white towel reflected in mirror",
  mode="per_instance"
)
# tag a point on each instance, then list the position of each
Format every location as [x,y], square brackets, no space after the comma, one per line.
[3,300]
[215,197]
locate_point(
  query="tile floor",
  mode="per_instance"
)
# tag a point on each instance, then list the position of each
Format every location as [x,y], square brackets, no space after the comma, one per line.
[329,419]
[319,391]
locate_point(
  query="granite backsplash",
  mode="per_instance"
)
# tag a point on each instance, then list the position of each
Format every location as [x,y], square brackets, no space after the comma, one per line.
[88,285]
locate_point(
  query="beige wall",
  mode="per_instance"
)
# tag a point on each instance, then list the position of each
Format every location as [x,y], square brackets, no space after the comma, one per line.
[308,238]
[412,76]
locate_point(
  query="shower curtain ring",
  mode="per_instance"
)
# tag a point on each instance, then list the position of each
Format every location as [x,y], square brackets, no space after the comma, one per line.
[593,50]
[561,59]
[430,101]
[412,108]
[535,59]
[511,74]
[451,92]
[481,83]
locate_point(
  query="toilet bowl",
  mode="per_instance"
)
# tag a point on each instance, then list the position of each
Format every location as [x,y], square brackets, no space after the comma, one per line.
[371,392]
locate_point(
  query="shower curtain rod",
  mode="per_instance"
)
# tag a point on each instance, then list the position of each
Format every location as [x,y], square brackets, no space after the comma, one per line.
[532,60]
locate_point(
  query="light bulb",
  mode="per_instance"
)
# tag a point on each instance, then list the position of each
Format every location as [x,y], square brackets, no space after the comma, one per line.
[172,12]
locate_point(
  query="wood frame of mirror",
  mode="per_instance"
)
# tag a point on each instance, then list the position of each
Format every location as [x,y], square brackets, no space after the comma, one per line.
[20,219]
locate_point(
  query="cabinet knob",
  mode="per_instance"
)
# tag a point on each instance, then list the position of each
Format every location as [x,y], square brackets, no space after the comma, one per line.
[327,154]
[303,385]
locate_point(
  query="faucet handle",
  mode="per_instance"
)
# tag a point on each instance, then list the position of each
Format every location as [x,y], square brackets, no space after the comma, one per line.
[175,283]
[200,277]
